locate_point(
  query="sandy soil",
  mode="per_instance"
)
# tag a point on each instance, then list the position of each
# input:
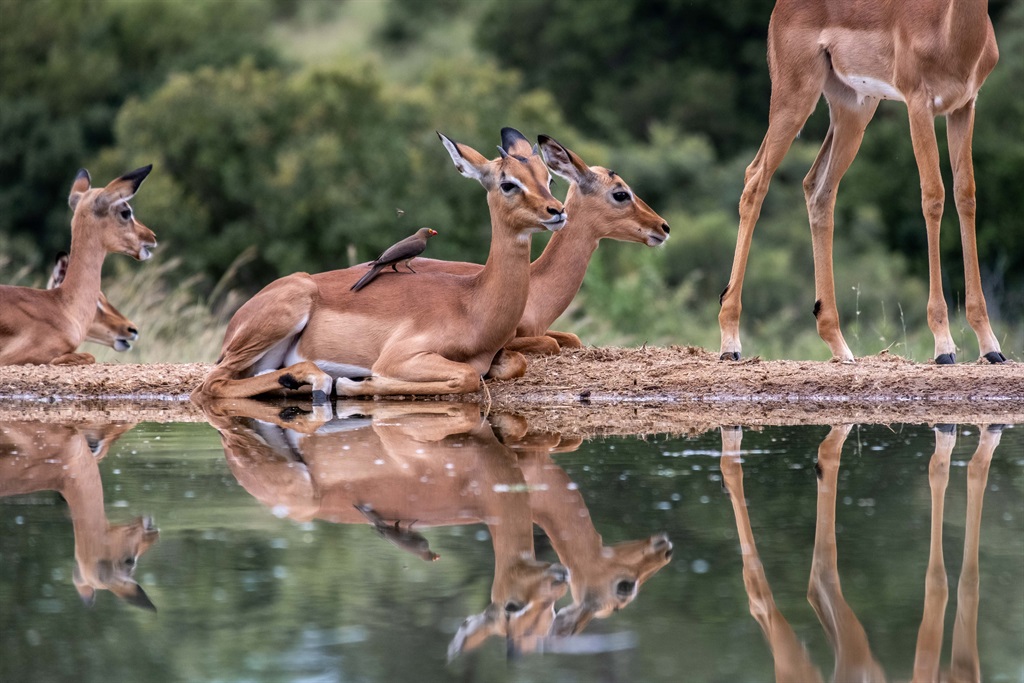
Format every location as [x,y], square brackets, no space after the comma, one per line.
[595,391]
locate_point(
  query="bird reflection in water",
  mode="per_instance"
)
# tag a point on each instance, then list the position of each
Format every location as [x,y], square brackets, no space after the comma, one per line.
[402,466]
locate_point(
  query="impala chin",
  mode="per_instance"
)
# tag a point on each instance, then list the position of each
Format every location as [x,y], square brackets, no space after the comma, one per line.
[144,252]
[555,224]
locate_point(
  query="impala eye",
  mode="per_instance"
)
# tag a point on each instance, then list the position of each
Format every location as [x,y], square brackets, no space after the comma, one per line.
[509,188]
[620,196]
[126,214]
[512,607]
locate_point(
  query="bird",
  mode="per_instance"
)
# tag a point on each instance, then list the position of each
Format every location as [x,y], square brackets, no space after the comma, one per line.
[405,250]
[405,539]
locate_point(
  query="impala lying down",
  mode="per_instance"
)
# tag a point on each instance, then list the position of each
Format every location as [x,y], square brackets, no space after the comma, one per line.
[436,333]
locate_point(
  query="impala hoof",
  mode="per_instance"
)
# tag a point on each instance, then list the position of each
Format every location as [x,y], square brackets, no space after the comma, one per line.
[945,359]
[995,357]
[946,428]
[730,355]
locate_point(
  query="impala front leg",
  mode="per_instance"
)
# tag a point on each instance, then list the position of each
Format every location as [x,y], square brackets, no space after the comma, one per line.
[422,374]
[542,346]
[74,359]
[507,364]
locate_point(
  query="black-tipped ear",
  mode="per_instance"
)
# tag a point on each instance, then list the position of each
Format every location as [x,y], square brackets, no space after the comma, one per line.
[60,270]
[138,598]
[79,187]
[510,137]
[137,176]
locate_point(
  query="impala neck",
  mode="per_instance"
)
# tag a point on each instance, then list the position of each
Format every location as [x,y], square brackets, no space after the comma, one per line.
[504,283]
[81,286]
[557,274]
[83,491]
[559,509]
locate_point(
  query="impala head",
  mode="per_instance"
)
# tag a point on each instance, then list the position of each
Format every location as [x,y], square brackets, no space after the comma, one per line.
[106,210]
[109,563]
[618,214]
[606,586]
[517,183]
[522,608]
[109,327]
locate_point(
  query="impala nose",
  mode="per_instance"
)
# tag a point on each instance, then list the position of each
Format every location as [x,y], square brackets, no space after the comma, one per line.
[664,226]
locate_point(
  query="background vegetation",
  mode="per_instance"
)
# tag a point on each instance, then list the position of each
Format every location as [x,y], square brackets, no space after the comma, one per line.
[300,135]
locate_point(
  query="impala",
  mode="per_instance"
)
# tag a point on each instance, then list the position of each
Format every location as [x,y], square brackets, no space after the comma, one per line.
[415,466]
[432,333]
[932,54]
[46,325]
[599,205]
[36,456]
[109,327]
[603,578]
[853,657]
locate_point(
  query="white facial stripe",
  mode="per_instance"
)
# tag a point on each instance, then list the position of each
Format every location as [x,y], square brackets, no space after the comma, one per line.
[514,181]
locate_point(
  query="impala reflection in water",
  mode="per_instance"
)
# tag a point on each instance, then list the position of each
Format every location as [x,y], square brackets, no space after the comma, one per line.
[39,456]
[851,647]
[401,467]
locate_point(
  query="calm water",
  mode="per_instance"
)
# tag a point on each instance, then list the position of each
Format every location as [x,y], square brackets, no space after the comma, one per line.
[293,551]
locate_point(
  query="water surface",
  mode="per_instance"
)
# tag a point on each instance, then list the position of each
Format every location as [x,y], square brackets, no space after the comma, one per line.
[410,541]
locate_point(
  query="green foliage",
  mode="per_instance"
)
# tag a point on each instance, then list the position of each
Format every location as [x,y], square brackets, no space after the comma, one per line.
[620,66]
[67,69]
[315,165]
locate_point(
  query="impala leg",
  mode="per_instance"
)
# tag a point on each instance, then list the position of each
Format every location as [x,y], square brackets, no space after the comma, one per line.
[853,657]
[936,590]
[566,340]
[74,359]
[543,345]
[926,152]
[846,130]
[507,364]
[257,341]
[959,133]
[422,374]
[792,662]
[794,95]
[965,665]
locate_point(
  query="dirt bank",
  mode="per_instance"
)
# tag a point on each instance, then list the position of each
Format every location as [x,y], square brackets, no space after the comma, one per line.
[597,391]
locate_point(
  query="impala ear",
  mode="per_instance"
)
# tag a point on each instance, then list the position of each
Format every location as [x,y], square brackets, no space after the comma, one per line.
[122,189]
[571,620]
[60,270]
[476,629]
[468,161]
[79,188]
[565,163]
[514,142]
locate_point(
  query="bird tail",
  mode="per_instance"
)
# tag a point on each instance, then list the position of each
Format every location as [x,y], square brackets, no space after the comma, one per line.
[366,279]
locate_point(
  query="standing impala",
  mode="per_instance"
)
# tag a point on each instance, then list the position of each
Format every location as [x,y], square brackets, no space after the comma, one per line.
[109,327]
[434,333]
[47,325]
[599,205]
[932,54]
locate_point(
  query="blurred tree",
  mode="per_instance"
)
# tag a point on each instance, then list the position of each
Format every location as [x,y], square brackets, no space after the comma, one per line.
[310,164]
[65,70]
[620,66]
